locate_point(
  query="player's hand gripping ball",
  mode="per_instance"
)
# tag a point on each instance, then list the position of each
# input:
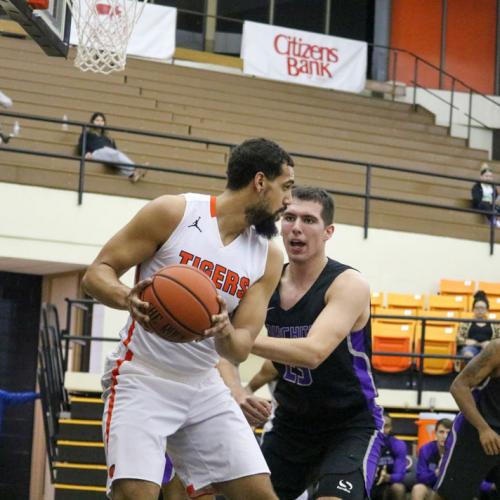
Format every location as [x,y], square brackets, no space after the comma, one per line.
[182,300]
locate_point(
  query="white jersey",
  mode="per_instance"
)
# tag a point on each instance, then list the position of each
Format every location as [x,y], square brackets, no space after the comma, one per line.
[233,268]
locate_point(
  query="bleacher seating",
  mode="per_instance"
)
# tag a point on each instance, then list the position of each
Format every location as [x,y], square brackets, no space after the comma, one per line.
[392,337]
[228,107]
[438,340]
[405,301]
[393,334]
[448,303]
[456,287]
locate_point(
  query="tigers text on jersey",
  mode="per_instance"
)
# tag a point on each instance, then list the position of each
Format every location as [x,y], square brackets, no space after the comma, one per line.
[233,268]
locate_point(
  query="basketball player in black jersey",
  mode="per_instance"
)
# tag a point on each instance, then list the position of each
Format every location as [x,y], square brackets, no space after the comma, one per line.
[473,446]
[326,427]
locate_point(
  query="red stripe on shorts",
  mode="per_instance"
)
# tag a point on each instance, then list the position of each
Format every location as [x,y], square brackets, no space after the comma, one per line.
[114,378]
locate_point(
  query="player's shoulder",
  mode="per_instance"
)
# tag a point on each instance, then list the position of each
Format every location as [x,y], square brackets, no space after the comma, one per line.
[168,205]
[352,280]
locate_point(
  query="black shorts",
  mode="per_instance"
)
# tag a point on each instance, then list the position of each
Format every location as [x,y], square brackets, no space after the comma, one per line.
[340,463]
[465,464]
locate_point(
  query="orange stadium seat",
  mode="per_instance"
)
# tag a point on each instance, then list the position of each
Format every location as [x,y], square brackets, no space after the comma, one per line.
[392,337]
[441,313]
[489,288]
[405,301]
[392,311]
[376,300]
[448,302]
[494,304]
[438,340]
[454,287]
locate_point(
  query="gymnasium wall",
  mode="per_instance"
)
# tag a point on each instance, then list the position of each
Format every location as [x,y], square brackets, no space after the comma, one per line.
[470,37]
[47,225]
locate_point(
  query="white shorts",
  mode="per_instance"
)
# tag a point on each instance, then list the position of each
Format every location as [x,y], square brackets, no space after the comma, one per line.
[148,411]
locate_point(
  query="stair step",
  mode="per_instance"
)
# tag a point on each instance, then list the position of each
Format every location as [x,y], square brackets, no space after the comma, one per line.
[85,452]
[86,408]
[80,430]
[81,474]
[77,492]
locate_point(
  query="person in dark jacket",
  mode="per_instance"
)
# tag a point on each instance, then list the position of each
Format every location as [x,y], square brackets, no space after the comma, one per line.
[485,196]
[101,147]
[391,468]
[429,458]
[14,398]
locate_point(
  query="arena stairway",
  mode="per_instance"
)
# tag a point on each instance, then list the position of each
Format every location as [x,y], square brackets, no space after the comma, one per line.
[81,467]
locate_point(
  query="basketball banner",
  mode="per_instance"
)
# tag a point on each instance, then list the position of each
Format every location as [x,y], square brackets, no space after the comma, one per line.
[153,36]
[303,57]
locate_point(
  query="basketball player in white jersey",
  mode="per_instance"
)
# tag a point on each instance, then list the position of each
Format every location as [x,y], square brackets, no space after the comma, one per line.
[162,395]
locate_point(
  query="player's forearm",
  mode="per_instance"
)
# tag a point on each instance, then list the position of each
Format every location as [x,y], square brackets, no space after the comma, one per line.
[231,376]
[235,347]
[101,282]
[298,352]
[463,396]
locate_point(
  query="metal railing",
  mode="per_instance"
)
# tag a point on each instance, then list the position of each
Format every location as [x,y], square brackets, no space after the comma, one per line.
[418,369]
[421,355]
[367,195]
[393,67]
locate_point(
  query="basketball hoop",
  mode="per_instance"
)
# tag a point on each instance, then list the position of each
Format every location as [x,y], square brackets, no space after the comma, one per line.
[104,28]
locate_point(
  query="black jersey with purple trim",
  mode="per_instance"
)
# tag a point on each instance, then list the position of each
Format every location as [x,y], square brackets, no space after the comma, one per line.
[488,401]
[340,390]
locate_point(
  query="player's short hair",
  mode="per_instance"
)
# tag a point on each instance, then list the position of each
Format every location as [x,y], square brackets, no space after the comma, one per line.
[444,422]
[319,195]
[252,156]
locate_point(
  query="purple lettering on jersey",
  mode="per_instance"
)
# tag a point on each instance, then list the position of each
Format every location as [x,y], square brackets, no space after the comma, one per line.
[293,374]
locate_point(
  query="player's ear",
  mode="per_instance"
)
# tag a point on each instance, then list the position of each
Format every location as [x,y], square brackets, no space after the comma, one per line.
[329,230]
[259,180]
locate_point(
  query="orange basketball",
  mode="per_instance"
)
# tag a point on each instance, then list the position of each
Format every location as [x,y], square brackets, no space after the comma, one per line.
[182,300]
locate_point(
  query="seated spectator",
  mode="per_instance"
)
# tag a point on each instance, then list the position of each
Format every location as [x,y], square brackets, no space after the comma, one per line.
[5,100]
[474,336]
[429,458]
[391,468]
[485,196]
[101,147]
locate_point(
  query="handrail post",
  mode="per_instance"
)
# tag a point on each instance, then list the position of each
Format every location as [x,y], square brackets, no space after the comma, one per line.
[420,378]
[415,78]
[492,228]
[81,178]
[367,201]
[68,332]
[451,102]
[469,118]
[394,73]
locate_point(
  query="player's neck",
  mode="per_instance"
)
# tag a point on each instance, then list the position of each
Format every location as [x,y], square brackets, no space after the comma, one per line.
[304,274]
[230,213]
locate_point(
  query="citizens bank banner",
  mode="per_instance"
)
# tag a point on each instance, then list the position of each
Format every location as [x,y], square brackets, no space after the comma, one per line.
[153,35]
[303,57]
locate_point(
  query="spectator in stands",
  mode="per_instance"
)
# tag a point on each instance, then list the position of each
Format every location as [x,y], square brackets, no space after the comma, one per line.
[474,336]
[391,467]
[485,196]
[429,458]
[14,398]
[101,147]
[6,102]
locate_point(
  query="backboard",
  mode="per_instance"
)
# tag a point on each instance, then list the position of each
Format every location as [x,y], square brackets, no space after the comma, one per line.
[49,28]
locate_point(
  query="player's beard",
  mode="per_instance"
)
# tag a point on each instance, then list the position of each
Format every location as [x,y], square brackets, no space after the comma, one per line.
[263,220]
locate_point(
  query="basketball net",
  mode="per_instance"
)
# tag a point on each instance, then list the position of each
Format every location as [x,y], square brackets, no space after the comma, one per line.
[104,28]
